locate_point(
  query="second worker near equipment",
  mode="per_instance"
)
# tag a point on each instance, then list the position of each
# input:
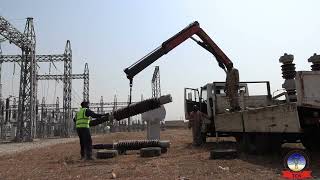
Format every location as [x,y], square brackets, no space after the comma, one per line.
[83,123]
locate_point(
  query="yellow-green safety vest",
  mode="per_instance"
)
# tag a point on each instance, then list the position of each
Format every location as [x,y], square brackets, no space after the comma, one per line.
[82,121]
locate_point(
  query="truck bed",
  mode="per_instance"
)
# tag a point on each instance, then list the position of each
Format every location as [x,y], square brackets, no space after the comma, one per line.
[281,118]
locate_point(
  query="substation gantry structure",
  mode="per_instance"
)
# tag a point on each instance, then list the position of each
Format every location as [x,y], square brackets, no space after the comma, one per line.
[102,106]
[155,83]
[50,117]
[26,121]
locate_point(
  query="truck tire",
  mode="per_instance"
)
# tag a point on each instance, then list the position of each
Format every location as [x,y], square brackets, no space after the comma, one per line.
[164,150]
[105,154]
[257,143]
[310,141]
[275,143]
[262,143]
[223,153]
[150,152]
[245,143]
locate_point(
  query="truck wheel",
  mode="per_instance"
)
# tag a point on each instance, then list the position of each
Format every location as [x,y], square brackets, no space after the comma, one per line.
[275,143]
[254,143]
[223,154]
[262,143]
[245,143]
[310,141]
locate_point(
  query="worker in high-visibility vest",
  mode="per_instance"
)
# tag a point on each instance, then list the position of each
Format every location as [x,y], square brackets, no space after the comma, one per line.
[83,122]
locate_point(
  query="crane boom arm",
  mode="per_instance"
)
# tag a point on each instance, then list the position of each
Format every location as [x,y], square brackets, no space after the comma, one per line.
[193,29]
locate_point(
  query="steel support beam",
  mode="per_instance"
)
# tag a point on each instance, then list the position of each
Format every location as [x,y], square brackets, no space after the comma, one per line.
[67,87]
[59,77]
[1,101]
[155,83]
[14,35]
[39,58]
[99,104]
[86,83]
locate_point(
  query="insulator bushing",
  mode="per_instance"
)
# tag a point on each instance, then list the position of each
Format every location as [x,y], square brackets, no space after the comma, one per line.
[102,146]
[136,144]
[315,60]
[288,68]
[141,107]
[288,71]
[315,67]
[123,146]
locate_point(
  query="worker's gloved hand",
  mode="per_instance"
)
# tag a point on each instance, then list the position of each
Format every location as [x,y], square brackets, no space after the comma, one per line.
[103,118]
[110,117]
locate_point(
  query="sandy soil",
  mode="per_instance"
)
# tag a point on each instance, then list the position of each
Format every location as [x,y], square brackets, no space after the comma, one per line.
[182,161]
[9,148]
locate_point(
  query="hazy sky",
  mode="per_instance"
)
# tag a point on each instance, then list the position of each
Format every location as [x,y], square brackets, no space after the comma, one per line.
[111,35]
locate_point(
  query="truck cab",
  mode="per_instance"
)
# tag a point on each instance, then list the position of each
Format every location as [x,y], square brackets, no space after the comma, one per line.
[213,101]
[264,121]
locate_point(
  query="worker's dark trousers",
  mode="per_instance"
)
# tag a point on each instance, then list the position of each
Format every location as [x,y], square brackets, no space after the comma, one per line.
[85,142]
[196,134]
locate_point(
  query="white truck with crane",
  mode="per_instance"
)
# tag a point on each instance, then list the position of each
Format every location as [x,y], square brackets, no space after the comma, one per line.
[264,121]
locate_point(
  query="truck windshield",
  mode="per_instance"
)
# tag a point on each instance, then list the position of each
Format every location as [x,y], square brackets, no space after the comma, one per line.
[204,94]
[219,90]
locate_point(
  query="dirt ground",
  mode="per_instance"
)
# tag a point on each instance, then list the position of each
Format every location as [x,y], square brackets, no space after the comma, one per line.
[182,161]
[9,148]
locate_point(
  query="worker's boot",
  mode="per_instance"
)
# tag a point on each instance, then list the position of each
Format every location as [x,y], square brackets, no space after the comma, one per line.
[89,159]
[82,155]
[89,156]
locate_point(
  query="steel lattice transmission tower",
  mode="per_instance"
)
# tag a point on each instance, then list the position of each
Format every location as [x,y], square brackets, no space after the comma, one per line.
[67,113]
[86,83]
[28,87]
[1,102]
[155,83]
[0,71]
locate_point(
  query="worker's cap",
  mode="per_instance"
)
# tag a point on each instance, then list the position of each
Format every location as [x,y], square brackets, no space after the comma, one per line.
[195,108]
[85,104]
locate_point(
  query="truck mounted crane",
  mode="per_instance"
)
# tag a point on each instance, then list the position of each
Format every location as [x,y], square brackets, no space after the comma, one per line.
[192,29]
[264,122]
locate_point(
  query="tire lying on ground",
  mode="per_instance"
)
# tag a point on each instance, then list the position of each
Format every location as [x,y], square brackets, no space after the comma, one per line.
[150,152]
[224,153]
[164,150]
[164,144]
[105,154]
